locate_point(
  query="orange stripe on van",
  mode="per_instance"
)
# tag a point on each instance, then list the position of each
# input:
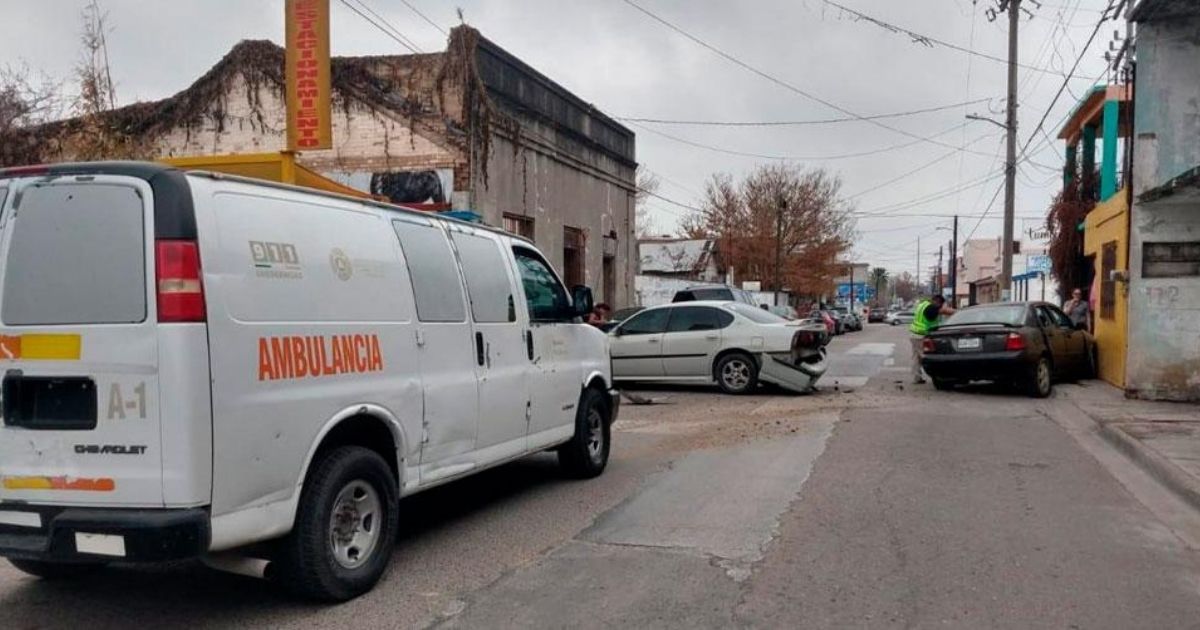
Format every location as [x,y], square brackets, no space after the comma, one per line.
[36,347]
[82,484]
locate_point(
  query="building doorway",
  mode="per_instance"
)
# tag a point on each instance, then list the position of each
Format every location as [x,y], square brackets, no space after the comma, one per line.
[573,256]
[610,280]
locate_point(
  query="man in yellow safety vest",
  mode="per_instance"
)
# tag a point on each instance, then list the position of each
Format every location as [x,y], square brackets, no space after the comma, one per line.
[925,320]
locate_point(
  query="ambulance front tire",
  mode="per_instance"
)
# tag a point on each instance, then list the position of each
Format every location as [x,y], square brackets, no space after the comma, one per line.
[586,455]
[345,530]
[56,570]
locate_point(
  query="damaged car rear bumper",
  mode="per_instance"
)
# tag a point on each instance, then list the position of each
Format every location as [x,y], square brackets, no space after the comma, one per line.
[797,376]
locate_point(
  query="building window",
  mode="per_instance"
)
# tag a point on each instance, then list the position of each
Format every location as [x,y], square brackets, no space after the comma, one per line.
[519,224]
[573,256]
[1108,287]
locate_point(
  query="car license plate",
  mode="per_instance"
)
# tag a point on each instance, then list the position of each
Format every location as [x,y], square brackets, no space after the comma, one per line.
[969,343]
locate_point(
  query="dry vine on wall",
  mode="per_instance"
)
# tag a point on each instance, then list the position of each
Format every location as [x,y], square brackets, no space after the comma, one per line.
[1068,210]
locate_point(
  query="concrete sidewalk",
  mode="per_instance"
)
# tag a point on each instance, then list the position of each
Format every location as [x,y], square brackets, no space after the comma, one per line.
[1163,438]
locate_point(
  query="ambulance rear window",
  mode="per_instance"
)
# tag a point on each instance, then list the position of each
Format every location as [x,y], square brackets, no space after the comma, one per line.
[76,256]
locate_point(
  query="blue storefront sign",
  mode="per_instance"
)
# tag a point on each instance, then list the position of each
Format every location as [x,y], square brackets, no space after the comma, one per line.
[862,291]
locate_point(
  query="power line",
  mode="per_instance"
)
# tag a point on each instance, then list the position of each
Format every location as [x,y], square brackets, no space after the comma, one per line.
[789,123]
[903,175]
[1082,53]
[942,194]
[985,213]
[778,81]
[400,40]
[670,201]
[799,158]
[423,17]
[962,157]
[945,215]
[925,39]
[412,45]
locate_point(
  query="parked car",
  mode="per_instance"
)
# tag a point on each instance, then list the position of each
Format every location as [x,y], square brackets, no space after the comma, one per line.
[1029,344]
[619,316]
[329,357]
[900,317]
[717,292]
[732,344]
[850,320]
[876,315]
[832,325]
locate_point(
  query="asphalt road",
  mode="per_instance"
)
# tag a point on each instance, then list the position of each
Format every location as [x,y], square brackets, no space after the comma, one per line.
[870,504]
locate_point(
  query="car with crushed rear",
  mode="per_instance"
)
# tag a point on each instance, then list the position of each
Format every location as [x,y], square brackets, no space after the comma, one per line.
[1026,344]
[732,344]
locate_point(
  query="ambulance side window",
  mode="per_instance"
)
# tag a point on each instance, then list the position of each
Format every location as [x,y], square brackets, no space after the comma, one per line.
[488,285]
[437,288]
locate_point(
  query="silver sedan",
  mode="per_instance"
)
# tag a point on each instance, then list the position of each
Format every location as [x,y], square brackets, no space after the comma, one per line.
[728,343]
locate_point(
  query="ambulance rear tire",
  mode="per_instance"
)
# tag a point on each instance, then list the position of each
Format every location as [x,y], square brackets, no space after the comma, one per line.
[56,570]
[345,530]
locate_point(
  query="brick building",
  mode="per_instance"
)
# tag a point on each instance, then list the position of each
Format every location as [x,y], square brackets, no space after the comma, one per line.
[471,128]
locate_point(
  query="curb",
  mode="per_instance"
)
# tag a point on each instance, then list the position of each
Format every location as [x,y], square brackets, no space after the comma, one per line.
[1184,485]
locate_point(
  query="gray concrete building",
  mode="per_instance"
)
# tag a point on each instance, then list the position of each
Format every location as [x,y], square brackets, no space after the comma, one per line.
[1163,359]
[472,128]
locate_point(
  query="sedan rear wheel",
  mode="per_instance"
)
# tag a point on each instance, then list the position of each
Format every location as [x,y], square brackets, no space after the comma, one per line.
[736,373]
[1041,382]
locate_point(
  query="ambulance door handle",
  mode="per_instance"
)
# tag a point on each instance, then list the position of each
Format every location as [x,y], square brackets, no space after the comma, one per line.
[479,350]
[529,344]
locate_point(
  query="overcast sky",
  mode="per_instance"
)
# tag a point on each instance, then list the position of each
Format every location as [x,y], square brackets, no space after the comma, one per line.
[629,65]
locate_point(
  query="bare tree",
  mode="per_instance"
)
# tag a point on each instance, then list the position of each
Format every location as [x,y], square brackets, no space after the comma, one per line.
[795,211]
[904,286]
[647,186]
[27,98]
[95,134]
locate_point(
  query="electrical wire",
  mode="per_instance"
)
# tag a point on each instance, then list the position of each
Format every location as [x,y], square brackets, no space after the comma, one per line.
[925,39]
[399,40]
[389,25]
[942,194]
[1063,87]
[903,175]
[797,158]
[788,123]
[776,80]
[423,17]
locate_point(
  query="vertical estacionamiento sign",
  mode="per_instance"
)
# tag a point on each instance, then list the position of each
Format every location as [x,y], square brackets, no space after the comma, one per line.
[309,124]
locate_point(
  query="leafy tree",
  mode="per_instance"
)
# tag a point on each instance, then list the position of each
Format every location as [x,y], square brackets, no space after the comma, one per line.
[879,281]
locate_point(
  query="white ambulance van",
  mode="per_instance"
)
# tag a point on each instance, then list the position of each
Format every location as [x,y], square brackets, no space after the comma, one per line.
[194,363]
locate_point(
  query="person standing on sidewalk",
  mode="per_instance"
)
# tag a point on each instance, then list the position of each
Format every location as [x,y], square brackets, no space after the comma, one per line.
[1078,310]
[925,319]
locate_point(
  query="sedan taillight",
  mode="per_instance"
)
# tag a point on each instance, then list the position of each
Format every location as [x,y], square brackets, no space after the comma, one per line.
[928,346]
[1014,342]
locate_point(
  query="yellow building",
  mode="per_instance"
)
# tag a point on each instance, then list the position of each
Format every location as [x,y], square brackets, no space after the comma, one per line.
[1106,243]
[1103,115]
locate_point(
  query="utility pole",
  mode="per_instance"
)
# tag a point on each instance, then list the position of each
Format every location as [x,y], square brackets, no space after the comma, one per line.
[1013,7]
[778,244]
[954,266]
[851,286]
[939,271]
[918,265]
